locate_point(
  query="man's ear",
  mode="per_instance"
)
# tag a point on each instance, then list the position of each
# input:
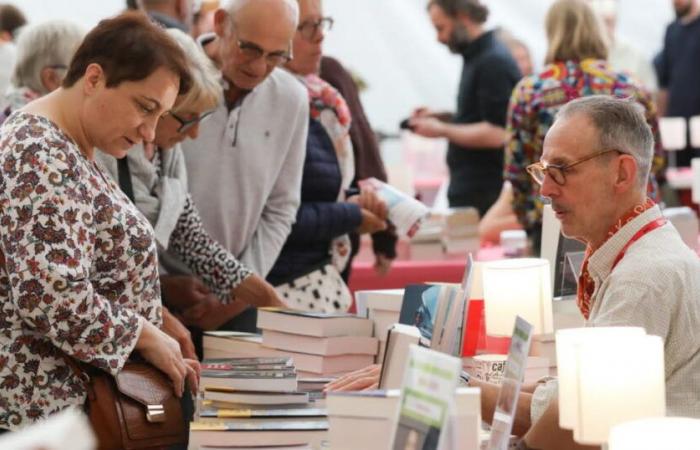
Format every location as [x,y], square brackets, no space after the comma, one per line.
[626,176]
[222,22]
[93,79]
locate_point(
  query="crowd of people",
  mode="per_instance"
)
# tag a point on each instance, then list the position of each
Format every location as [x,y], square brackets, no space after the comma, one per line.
[171,170]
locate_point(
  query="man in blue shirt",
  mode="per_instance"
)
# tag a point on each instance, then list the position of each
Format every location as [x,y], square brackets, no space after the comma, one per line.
[678,66]
[476,131]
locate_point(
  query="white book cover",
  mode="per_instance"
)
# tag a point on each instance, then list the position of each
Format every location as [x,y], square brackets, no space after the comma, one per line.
[325,346]
[401,337]
[312,323]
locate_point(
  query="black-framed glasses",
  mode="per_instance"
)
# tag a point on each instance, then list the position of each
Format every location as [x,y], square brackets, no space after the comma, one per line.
[252,51]
[539,170]
[186,124]
[310,29]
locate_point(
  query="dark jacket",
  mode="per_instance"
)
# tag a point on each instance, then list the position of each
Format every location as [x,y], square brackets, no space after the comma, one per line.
[368,161]
[320,217]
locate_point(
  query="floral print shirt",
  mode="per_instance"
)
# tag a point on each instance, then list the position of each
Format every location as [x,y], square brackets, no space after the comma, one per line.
[533,106]
[79,272]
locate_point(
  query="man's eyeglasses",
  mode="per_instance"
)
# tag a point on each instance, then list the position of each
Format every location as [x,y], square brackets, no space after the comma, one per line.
[311,29]
[251,52]
[539,170]
[186,124]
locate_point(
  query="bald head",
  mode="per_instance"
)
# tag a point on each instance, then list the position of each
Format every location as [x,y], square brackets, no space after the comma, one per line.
[267,11]
[253,36]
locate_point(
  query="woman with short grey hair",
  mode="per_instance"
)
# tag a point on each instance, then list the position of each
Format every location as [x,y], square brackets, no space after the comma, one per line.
[44,51]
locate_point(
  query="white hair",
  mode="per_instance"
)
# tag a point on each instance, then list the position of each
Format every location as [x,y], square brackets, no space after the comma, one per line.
[206,91]
[42,45]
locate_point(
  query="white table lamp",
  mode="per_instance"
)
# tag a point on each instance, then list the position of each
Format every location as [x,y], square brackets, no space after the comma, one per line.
[567,364]
[663,433]
[619,380]
[517,287]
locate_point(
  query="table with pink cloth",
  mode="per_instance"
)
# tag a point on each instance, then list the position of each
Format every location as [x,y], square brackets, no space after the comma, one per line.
[450,269]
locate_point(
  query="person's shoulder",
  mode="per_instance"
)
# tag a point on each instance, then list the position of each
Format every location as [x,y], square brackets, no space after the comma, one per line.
[285,87]
[661,255]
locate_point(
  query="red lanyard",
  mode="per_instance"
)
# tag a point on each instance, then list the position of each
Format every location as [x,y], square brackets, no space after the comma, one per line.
[651,226]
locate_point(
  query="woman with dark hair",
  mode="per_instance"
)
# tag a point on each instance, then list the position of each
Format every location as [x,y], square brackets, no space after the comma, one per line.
[79,272]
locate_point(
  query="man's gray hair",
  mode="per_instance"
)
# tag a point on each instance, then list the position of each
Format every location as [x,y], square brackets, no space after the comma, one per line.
[233,6]
[42,45]
[621,125]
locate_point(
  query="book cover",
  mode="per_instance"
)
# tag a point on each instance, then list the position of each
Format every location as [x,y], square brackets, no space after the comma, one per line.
[256,425]
[310,314]
[247,364]
[237,413]
[427,401]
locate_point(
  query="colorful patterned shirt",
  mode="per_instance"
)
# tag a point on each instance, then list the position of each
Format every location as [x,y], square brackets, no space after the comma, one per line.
[79,271]
[533,106]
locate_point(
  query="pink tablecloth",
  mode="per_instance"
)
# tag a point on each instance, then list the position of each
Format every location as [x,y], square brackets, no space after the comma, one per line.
[403,272]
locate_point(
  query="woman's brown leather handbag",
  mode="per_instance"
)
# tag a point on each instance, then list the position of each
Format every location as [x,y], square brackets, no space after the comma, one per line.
[136,409]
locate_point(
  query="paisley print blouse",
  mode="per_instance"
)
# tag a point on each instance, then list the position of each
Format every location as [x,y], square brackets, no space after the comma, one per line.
[79,273]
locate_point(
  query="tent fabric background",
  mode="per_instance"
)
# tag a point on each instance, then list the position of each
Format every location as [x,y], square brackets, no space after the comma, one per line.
[391,43]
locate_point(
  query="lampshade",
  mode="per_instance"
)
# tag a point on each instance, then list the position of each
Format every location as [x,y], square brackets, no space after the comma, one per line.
[517,287]
[567,367]
[618,381]
[663,433]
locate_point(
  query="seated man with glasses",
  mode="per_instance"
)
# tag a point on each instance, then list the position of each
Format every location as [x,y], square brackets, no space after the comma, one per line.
[637,271]
[244,167]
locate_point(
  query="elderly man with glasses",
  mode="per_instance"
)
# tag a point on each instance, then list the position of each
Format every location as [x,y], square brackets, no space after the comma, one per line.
[245,166]
[637,271]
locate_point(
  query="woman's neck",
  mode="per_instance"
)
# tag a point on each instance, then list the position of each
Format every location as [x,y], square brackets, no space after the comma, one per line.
[62,107]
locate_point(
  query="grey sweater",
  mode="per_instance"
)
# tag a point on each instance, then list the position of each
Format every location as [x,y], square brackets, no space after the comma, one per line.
[245,169]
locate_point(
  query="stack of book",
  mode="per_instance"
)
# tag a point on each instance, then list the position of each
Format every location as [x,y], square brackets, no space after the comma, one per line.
[383,308]
[250,374]
[320,344]
[461,232]
[234,344]
[248,402]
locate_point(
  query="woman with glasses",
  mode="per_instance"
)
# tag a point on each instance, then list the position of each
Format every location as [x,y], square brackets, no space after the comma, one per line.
[319,238]
[575,67]
[44,51]
[158,181]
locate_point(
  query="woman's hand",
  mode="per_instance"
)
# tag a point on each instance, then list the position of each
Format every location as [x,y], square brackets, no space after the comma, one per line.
[370,223]
[175,329]
[215,316]
[257,292]
[369,200]
[163,352]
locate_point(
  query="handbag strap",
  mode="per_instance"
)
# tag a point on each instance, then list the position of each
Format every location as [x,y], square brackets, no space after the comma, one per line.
[125,178]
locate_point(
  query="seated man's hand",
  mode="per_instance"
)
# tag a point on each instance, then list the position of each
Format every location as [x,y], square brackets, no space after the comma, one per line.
[257,292]
[183,291]
[359,380]
[176,330]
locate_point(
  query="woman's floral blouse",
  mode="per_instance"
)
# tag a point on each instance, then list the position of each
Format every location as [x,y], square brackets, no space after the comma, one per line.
[80,270]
